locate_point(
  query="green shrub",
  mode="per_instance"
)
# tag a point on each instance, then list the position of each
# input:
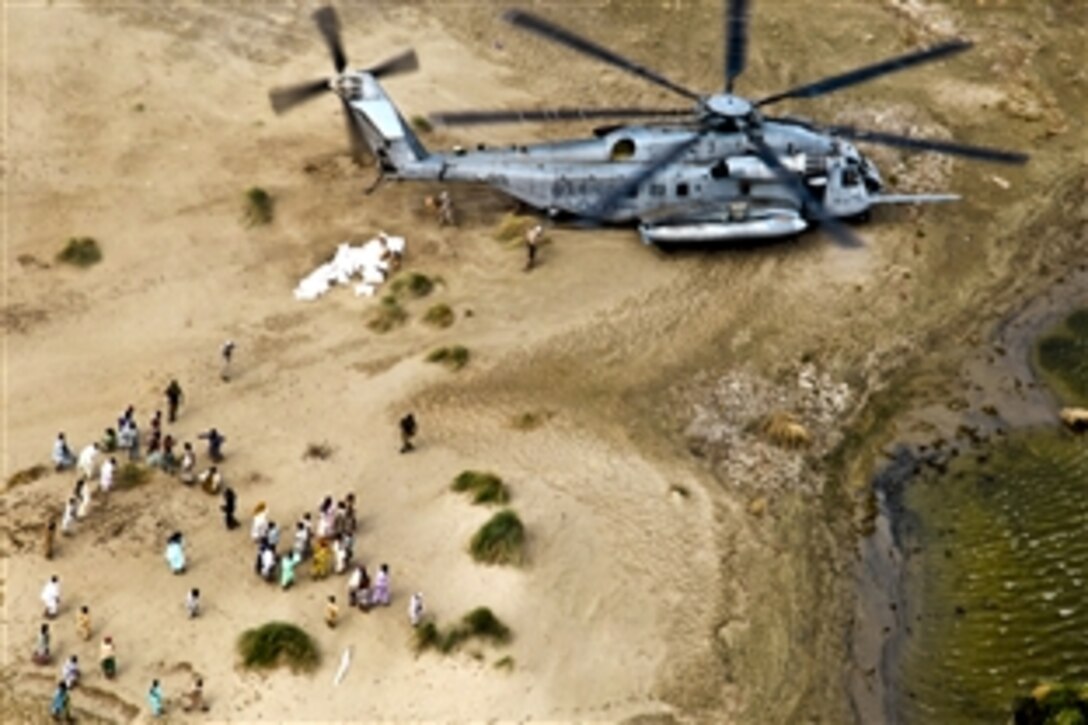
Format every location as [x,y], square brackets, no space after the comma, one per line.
[480,623]
[414,284]
[530,420]
[258,206]
[427,636]
[500,541]
[440,315]
[454,358]
[422,124]
[485,487]
[388,315]
[278,643]
[80,252]
[505,663]
[317,451]
[27,475]
[132,475]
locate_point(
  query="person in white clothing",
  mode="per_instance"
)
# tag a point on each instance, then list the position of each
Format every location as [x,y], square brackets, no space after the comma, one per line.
[260,522]
[83,496]
[62,454]
[88,460]
[51,596]
[106,474]
[415,609]
[69,518]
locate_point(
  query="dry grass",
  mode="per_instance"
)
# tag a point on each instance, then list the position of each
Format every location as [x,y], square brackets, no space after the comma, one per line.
[454,358]
[531,419]
[413,284]
[500,541]
[440,315]
[28,475]
[132,475]
[481,623]
[388,316]
[259,207]
[485,488]
[783,429]
[275,644]
[80,252]
[317,451]
[513,227]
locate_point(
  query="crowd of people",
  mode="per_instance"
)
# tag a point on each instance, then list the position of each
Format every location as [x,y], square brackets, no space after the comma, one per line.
[323,540]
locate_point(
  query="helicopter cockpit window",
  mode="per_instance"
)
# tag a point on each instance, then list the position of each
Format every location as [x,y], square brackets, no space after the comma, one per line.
[682,189]
[622,150]
[850,176]
[719,170]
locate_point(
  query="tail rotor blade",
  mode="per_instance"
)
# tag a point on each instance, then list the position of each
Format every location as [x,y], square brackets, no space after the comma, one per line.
[838,231]
[869,72]
[406,62]
[328,22]
[612,200]
[736,34]
[286,98]
[477,118]
[979,153]
[553,32]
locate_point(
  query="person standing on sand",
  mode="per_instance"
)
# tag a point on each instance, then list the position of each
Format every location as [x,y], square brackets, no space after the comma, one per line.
[155,699]
[228,507]
[194,698]
[380,595]
[226,353]
[107,474]
[532,240]
[267,563]
[107,659]
[259,527]
[51,597]
[302,541]
[70,672]
[415,609]
[83,623]
[109,440]
[42,655]
[322,560]
[272,536]
[173,395]
[88,460]
[331,612]
[287,569]
[62,454]
[49,538]
[175,553]
[215,444]
[187,469]
[192,603]
[59,707]
[69,519]
[407,433]
[83,495]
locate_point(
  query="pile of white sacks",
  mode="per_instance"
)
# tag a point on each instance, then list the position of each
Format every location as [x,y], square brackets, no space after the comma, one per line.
[370,262]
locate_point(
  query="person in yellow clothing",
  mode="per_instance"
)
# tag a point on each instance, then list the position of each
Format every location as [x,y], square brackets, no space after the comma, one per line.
[83,623]
[331,612]
[322,561]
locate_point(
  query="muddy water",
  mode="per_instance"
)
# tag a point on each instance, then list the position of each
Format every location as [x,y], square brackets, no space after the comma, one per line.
[997,565]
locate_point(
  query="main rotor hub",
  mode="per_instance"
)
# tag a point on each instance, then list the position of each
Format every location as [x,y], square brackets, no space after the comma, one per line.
[728,105]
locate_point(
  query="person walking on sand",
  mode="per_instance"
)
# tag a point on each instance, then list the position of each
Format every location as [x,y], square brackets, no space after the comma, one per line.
[407,433]
[287,569]
[215,444]
[226,353]
[194,698]
[272,536]
[68,520]
[259,527]
[42,654]
[173,395]
[302,541]
[192,603]
[230,501]
[322,560]
[331,612]
[70,672]
[60,706]
[62,454]
[155,699]
[51,597]
[415,609]
[187,468]
[175,553]
[83,623]
[107,658]
[267,563]
[107,474]
[83,495]
[532,240]
[109,441]
[49,538]
[88,460]
[380,594]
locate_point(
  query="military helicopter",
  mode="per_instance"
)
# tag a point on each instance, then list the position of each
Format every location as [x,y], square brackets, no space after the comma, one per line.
[715,172]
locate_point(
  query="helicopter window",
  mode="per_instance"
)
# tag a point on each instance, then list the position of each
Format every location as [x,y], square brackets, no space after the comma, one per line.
[719,170]
[682,189]
[623,149]
[850,177]
[745,187]
[657,190]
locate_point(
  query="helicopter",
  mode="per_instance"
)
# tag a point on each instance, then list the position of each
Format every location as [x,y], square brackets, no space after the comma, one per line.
[717,171]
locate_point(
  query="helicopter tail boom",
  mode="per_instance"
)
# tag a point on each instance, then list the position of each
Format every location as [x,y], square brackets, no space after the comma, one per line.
[383,129]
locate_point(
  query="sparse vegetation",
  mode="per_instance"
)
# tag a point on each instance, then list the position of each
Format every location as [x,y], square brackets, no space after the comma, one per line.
[1052,705]
[422,124]
[440,315]
[275,644]
[454,358]
[414,284]
[500,541]
[139,108]
[530,420]
[132,475]
[80,252]
[388,315]
[512,228]
[480,623]
[259,206]
[486,488]
[317,451]
[27,475]
[504,663]
[783,429]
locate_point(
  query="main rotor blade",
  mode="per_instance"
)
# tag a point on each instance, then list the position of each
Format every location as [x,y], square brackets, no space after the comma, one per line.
[614,198]
[838,231]
[329,24]
[406,62]
[359,149]
[286,98]
[551,31]
[736,33]
[979,153]
[867,73]
[475,118]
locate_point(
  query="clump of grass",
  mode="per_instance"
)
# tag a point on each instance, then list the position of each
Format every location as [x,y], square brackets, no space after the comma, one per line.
[504,663]
[480,623]
[530,419]
[486,488]
[139,108]
[80,252]
[275,644]
[455,357]
[259,206]
[132,475]
[27,475]
[415,284]
[422,124]
[388,315]
[513,227]
[440,315]
[500,541]
[317,451]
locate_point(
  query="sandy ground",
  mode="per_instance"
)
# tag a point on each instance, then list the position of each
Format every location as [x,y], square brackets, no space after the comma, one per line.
[142,126]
